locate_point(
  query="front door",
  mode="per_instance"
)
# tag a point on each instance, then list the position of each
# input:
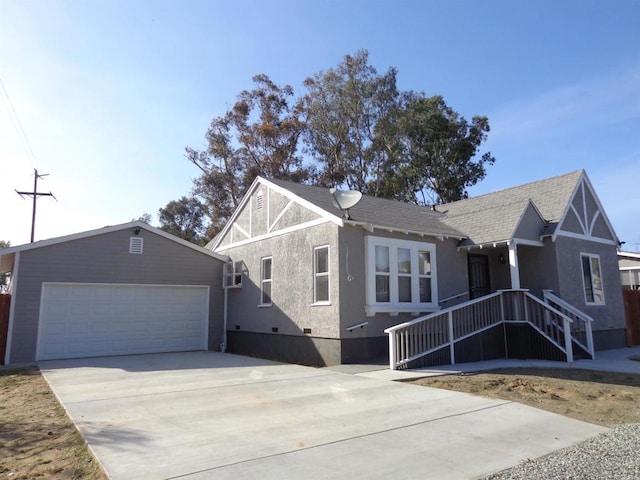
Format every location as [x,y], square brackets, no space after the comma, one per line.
[478,275]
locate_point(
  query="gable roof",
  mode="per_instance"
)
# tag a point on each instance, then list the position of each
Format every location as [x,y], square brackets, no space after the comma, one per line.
[377,212]
[101,231]
[493,217]
[487,219]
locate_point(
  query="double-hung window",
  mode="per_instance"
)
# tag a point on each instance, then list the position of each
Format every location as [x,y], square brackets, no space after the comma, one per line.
[592,279]
[401,276]
[321,275]
[266,277]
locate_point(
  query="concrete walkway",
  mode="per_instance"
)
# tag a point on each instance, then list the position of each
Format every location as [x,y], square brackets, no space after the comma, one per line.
[207,415]
[615,360]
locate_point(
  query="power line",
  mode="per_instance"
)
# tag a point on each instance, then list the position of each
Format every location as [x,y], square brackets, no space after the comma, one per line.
[17,125]
[35,194]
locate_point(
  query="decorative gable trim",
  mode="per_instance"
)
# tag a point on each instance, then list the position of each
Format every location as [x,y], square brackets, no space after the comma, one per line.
[587,220]
[260,182]
[277,233]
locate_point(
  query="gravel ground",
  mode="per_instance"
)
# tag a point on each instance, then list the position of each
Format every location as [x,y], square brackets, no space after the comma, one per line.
[612,455]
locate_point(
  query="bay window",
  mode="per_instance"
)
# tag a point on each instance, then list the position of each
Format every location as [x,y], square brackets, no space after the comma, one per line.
[401,276]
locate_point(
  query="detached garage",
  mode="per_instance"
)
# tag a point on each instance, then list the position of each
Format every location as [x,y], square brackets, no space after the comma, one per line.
[119,290]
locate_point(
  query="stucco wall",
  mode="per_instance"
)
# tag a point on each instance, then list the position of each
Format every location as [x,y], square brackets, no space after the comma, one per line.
[106,259]
[608,317]
[292,285]
[451,277]
[250,325]
[538,268]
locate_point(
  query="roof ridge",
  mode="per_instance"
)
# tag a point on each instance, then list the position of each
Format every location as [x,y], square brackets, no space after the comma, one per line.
[426,208]
[476,210]
[517,187]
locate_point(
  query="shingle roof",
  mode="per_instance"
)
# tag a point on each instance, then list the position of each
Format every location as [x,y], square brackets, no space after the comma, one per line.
[378,211]
[493,217]
[488,218]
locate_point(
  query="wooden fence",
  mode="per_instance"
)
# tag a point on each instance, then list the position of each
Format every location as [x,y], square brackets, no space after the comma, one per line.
[632,310]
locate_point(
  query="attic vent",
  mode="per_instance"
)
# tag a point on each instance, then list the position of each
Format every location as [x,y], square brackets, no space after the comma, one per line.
[259,201]
[135,245]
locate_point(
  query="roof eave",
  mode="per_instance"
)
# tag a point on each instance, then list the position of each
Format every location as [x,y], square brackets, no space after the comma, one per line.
[371,227]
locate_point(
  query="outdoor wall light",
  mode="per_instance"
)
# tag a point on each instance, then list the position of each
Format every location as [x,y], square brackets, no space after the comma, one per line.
[501,258]
[137,231]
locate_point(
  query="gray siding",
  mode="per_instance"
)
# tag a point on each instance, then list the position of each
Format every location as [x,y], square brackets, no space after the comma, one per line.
[105,259]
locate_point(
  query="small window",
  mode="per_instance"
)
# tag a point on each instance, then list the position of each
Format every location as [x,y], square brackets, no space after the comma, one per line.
[136,245]
[266,280]
[232,275]
[321,275]
[592,279]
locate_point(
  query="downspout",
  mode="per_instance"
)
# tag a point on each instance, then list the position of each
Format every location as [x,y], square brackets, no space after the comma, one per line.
[223,343]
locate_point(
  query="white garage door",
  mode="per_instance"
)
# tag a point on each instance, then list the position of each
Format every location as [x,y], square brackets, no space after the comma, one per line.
[93,320]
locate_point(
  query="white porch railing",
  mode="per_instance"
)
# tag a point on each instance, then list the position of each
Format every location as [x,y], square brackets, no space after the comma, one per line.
[417,338]
[581,327]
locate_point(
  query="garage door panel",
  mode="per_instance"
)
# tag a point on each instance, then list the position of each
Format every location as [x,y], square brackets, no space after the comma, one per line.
[100,320]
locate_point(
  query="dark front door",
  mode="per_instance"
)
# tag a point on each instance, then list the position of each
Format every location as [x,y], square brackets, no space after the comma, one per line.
[478,276]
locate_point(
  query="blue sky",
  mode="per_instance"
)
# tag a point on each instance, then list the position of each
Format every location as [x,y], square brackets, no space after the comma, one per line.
[109,92]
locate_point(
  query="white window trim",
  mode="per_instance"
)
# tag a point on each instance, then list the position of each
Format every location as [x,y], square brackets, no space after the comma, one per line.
[263,281]
[394,306]
[324,274]
[584,287]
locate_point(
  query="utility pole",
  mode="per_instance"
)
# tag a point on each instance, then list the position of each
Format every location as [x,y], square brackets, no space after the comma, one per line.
[35,194]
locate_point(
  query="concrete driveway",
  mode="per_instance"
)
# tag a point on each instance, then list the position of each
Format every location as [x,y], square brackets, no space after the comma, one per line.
[206,415]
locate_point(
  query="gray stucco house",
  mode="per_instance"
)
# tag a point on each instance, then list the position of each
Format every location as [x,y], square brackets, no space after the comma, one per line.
[529,272]
[309,284]
[117,290]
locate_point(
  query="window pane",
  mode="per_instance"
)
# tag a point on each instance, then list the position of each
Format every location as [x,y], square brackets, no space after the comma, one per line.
[404,289]
[382,259]
[266,268]
[382,288]
[586,273]
[266,292]
[424,263]
[425,290]
[322,260]
[404,260]
[598,294]
[322,289]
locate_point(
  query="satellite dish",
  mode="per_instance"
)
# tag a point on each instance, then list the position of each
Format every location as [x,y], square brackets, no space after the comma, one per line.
[345,199]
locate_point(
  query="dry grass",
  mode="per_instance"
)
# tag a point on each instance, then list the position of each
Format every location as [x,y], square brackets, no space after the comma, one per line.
[37,439]
[603,398]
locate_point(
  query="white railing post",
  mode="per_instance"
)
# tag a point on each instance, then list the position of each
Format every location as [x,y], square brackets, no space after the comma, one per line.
[567,339]
[392,351]
[451,342]
[592,351]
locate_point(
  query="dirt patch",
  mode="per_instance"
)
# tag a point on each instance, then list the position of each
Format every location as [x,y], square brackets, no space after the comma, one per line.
[37,439]
[603,398]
